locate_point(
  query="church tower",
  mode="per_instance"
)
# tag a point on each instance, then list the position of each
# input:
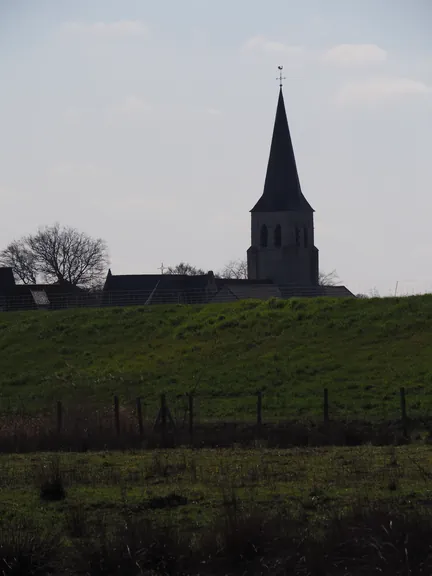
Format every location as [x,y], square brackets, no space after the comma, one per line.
[282,224]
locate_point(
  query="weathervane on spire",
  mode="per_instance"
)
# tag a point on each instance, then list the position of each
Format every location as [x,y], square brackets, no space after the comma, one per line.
[281,78]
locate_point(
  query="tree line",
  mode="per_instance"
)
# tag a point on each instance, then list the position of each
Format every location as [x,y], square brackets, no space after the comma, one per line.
[63,255]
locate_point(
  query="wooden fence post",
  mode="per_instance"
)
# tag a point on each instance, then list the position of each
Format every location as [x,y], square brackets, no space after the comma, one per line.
[259,409]
[163,415]
[139,415]
[59,416]
[117,415]
[326,406]
[191,417]
[403,411]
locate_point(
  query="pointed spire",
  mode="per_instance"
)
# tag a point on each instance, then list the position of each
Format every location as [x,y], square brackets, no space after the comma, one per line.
[282,191]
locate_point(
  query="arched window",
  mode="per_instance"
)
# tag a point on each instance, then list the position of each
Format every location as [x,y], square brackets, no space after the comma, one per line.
[264,236]
[278,236]
[297,237]
[306,237]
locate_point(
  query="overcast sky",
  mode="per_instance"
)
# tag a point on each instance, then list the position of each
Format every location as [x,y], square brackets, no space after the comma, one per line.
[148,123]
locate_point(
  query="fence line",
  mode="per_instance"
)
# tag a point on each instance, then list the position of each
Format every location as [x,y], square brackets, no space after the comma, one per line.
[165,424]
[225,293]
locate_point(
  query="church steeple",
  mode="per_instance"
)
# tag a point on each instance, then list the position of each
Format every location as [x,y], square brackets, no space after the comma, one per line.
[282,221]
[282,190]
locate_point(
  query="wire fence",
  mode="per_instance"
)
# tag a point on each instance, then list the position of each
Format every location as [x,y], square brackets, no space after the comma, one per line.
[178,420]
[44,300]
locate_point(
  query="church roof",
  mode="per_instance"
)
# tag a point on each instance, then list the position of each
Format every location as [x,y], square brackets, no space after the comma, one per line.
[147,282]
[241,291]
[220,282]
[294,291]
[282,190]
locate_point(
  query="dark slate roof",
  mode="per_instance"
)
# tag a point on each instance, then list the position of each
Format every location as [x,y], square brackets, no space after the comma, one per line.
[147,282]
[49,289]
[32,296]
[282,189]
[242,291]
[9,288]
[337,292]
[220,282]
[293,291]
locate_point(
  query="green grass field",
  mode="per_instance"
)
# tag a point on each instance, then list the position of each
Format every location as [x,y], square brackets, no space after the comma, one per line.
[315,481]
[210,509]
[363,351]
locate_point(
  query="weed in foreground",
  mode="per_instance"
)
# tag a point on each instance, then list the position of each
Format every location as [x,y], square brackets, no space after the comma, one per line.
[380,538]
[370,539]
[25,552]
[136,546]
[51,481]
[76,521]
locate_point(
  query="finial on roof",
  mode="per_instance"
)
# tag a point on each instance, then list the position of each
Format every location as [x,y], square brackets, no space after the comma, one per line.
[281,78]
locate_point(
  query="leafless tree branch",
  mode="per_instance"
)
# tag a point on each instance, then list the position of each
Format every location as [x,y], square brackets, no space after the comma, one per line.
[18,257]
[58,254]
[328,279]
[185,269]
[235,269]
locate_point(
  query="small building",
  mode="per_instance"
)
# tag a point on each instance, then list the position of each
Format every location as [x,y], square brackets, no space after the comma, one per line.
[15,297]
[146,289]
[140,289]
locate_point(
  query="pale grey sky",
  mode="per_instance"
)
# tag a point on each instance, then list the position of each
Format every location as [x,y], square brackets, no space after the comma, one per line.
[149,124]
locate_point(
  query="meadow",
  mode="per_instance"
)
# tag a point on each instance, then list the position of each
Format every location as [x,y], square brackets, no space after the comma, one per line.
[362,350]
[337,511]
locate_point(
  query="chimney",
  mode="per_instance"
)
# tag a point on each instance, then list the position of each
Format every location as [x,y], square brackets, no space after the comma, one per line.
[7,280]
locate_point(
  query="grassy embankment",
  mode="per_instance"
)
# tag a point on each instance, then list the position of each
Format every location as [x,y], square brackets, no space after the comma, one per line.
[363,351]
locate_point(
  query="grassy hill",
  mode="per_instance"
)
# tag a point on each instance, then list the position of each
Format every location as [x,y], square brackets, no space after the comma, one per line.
[363,351]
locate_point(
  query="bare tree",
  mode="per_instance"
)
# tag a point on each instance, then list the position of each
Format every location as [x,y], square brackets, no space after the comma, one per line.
[328,279]
[235,269]
[374,293]
[18,257]
[58,254]
[185,269]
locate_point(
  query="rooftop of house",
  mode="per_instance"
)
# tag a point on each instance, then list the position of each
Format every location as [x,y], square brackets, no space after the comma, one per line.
[9,287]
[148,282]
